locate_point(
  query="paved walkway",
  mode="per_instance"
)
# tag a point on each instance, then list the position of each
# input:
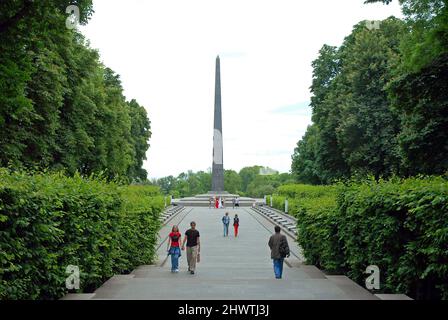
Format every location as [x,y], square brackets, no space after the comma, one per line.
[230,268]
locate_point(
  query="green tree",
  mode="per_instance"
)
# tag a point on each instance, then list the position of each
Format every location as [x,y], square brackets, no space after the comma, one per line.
[248,174]
[304,164]
[326,105]
[140,135]
[59,106]
[232,181]
[355,129]
[368,128]
[418,90]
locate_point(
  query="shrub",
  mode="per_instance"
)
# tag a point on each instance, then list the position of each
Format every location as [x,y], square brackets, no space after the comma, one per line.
[316,230]
[49,221]
[399,225]
[298,194]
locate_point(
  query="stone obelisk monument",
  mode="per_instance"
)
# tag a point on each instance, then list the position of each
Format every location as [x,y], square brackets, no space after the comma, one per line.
[218,167]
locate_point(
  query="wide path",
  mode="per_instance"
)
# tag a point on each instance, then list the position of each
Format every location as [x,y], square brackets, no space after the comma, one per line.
[230,268]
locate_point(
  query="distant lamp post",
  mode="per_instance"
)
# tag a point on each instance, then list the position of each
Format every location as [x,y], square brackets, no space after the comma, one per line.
[286,205]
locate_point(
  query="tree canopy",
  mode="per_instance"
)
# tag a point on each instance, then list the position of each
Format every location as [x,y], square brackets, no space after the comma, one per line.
[379,100]
[249,181]
[60,107]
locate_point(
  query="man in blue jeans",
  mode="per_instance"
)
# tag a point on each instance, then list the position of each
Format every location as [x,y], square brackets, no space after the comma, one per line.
[279,250]
[226,223]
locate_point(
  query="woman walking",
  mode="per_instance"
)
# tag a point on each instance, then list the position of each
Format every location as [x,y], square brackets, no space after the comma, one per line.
[236,224]
[174,248]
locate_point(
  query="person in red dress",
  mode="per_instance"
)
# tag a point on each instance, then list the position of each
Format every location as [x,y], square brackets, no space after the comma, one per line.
[236,224]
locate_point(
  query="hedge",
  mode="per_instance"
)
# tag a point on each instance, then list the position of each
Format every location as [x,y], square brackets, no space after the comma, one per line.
[49,221]
[300,195]
[399,225]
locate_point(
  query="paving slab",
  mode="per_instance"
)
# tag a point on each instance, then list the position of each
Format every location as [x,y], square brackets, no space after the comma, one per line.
[237,268]
[393,297]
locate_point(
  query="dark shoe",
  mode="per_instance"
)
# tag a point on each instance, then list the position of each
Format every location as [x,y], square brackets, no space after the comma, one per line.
[192,272]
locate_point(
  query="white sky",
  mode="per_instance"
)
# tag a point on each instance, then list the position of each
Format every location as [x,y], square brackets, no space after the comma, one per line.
[165,52]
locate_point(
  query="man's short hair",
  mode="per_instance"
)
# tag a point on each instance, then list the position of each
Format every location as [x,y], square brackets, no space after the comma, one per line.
[192,223]
[277,229]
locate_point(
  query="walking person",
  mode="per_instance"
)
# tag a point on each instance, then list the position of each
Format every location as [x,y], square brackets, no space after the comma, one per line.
[233,203]
[210,201]
[174,239]
[226,222]
[237,203]
[236,224]
[279,251]
[193,247]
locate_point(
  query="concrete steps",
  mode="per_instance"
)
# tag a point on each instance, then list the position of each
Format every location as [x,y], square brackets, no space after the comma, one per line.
[286,222]
[155,283]
[170,212]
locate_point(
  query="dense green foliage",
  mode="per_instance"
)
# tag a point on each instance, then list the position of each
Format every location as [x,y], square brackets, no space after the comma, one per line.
[380,104]
[299,195]
[49,221]
[399,225]
[60,108]
[250,181]
[380,108]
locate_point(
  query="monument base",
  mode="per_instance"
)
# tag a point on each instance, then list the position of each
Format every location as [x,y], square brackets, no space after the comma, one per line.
[202,200]
[222,194]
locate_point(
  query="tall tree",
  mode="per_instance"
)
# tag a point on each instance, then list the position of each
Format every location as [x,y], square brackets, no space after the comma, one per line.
[418,90]
[140,134]
[59,106]
[304,160]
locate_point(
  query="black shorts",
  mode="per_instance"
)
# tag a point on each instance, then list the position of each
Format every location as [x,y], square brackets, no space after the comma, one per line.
[237,204]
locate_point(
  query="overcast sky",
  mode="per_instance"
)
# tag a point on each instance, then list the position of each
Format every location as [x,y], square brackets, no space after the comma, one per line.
[165,52]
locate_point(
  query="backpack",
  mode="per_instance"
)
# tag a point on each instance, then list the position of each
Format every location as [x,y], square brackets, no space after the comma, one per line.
[284,248]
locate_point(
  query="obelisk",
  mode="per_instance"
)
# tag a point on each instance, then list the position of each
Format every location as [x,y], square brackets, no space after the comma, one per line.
[218,167]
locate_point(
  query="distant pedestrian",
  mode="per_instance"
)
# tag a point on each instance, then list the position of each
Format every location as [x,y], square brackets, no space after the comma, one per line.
[236,224]
[210,201]
[223,203]
[226,223]
[174,239]
[193,247]
[216,202]
[234,203]
[279,251]
[237,203]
